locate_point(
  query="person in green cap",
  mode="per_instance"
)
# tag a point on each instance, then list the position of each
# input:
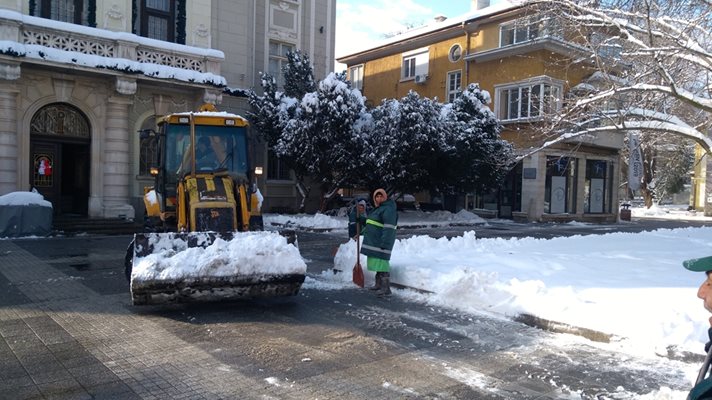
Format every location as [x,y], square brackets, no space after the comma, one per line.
[703,386]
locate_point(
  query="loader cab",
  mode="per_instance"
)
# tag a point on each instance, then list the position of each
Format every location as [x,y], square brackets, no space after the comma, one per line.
[221,148]
[217,149]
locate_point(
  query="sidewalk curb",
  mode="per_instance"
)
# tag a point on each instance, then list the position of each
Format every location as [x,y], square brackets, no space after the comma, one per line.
[559,327]
[601,337]
[533,321]
[278,225]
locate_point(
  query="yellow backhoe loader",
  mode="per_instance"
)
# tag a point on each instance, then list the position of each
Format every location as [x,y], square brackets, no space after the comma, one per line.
[205,238]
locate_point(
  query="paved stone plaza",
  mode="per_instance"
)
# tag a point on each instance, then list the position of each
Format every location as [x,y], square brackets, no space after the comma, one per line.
[68,331]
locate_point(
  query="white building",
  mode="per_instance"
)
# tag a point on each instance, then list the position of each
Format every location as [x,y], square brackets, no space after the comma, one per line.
[79,78]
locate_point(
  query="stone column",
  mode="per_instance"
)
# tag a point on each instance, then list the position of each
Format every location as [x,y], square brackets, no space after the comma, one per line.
[580,184]
[533,179]
[707,200]
[9,140]
[615,193]
[116,160]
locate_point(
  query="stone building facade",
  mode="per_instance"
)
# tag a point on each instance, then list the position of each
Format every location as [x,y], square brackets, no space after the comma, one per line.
[79,78]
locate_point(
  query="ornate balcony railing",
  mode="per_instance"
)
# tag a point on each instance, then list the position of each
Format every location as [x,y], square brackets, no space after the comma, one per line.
[28,30]
[60,41]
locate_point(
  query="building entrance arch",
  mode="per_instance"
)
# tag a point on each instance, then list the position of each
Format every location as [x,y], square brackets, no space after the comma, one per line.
[60,162]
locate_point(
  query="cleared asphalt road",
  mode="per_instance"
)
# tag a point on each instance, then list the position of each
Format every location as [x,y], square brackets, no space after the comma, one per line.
[67,330]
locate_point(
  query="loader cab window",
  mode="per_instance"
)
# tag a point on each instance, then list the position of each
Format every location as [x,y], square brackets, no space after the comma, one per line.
[218,148]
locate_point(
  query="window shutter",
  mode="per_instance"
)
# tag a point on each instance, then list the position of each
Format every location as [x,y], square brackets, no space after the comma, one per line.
[421,63]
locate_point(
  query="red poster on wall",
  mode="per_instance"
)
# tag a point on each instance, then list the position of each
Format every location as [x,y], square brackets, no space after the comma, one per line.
[44,166]
[43,170]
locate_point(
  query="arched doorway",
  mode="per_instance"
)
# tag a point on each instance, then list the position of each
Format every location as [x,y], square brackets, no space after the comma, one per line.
[59,157]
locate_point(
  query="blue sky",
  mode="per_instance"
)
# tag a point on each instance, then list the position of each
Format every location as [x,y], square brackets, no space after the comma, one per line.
[361,23]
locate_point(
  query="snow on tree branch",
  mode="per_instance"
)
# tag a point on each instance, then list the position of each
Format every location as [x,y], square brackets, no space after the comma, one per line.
[650,66]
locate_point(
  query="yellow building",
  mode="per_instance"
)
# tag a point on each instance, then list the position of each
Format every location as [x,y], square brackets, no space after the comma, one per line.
[526,62]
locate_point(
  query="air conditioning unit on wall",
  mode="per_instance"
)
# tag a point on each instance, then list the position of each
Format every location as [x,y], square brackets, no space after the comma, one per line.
[420,79]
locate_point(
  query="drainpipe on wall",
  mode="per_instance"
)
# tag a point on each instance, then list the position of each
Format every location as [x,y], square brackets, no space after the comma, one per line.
[255,81]
[467,51]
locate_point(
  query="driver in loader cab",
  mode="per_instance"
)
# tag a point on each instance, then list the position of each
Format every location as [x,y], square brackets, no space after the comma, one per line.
[205,158]
[205,155]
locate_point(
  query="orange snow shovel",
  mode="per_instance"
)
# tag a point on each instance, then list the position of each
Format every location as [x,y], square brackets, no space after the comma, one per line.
[358,271]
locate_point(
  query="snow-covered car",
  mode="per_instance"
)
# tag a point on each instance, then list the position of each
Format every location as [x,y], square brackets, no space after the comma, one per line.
[25,214]
[407,202]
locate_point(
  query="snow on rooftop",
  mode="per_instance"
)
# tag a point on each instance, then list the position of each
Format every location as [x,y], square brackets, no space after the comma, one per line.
[436,25]
[223,114]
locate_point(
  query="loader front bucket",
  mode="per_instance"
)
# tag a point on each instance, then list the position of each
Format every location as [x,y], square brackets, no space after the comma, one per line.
[209,266]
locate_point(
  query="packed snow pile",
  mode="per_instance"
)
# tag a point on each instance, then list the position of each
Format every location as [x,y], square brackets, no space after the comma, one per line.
[408,218]
[305,221]
[248,253]
[24,199]
[438,218]
[629,285]
[670,211]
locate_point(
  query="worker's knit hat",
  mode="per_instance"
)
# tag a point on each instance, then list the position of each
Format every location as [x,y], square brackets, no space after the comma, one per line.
[381,191]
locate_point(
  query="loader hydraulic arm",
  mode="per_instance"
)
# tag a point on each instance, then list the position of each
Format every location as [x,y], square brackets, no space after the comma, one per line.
[244,211]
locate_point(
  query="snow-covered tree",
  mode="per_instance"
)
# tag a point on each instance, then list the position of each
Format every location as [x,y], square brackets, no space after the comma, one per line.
[675,163]
[272,111]
[667,162]
[653,63]
[298,75]
[419,144]
[477,159]
[651,57]
[268,114]
[321,139]
[406,144]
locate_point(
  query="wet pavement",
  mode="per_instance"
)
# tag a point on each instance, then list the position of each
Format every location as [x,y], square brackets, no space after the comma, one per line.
[68,331]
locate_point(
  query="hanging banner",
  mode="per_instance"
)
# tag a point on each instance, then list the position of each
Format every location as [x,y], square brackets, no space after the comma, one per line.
[635,162]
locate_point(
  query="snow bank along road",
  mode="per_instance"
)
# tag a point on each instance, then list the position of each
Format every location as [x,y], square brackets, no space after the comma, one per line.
[67,330]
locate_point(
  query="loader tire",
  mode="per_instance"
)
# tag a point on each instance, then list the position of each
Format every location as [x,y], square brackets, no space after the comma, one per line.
[152,224]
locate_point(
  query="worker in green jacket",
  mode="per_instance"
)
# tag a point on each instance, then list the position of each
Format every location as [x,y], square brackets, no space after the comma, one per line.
[378,240]
[703,384]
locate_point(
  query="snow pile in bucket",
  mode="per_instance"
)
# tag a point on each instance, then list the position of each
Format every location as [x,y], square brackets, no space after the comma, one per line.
[248,253]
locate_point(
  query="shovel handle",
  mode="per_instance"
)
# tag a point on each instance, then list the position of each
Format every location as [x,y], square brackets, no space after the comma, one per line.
[705,367]
[358,237]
